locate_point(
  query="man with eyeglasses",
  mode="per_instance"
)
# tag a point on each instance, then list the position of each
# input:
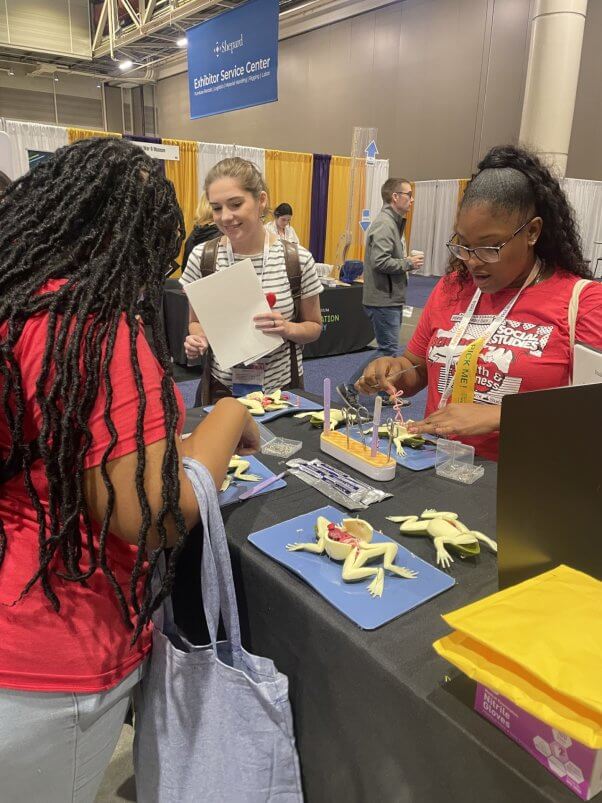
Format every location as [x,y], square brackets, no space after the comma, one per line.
[386,268]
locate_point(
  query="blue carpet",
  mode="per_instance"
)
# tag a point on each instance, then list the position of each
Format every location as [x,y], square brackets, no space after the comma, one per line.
[419,289]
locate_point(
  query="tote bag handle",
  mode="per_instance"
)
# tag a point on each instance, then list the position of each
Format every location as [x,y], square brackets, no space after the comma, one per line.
[217,582]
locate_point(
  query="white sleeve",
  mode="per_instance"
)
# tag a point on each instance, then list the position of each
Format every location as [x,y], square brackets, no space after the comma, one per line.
[192,271]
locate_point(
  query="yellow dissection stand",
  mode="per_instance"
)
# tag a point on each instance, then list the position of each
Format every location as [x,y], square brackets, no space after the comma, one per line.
[380,467]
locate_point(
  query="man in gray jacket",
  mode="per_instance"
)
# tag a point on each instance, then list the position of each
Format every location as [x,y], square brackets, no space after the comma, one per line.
[386,268]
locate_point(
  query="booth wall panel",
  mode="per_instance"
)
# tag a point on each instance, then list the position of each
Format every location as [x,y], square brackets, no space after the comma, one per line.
[427,74]
[60,26]
[19,104]
[585,152]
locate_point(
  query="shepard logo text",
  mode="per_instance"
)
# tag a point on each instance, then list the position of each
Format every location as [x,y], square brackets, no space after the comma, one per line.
[222,48]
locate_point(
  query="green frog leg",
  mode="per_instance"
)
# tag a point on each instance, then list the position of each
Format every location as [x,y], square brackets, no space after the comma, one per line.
[444,559]
[316,547]
[354,569]
[389,554]
[254,407]
[430,513]
[414,525]
[402,518]
[485,539]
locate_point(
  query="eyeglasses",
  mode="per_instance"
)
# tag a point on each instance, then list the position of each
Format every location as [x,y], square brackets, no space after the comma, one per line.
[484,253]
[409,194]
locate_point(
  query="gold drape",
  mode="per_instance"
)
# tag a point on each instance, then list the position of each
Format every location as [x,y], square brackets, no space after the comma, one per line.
[462,184]
[288,176]
[338,201]
[183,174]
[410,216]
[73,134]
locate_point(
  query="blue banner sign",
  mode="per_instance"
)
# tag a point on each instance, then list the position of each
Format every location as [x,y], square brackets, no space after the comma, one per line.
[233,59]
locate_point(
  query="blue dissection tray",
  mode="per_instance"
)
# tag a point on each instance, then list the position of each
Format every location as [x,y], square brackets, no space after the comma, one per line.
[304,406]
[351,599]
[415,459]
[239,487]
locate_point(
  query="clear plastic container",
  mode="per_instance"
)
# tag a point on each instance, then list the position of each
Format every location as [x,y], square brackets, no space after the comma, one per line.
[281,447]
[265,435]
[455,461]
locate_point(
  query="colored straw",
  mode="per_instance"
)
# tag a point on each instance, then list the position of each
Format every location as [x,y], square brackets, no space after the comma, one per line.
[327,405]
[378,406]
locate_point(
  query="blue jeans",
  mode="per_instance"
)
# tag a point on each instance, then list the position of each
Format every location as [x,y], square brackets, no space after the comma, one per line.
[386,322]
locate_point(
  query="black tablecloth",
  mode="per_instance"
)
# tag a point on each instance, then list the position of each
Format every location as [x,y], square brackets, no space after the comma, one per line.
[374,718]
[175,316]
[345,328]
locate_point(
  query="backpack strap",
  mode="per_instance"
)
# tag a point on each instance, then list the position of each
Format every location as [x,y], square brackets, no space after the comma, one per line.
[208,264]
[293,271]
[573,312]
[209,256]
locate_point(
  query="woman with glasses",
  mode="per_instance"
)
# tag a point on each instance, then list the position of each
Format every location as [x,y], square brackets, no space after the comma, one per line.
[92,486]
[498,322]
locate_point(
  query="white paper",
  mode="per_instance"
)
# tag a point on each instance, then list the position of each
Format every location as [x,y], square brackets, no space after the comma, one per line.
[225,304]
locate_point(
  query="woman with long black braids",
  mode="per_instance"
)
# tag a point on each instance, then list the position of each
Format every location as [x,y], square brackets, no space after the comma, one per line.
[92,489]
[498,323]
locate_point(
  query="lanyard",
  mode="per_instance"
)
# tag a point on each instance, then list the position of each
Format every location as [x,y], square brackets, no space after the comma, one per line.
[266,251]
[489,332]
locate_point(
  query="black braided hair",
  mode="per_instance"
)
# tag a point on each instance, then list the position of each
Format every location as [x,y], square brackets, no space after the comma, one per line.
[515,180]
[100,215]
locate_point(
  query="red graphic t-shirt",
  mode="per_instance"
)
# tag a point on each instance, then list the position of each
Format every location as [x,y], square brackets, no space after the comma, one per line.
[530,351]
[86,646]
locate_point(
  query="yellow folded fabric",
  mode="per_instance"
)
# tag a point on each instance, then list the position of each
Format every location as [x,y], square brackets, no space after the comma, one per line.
[539,644]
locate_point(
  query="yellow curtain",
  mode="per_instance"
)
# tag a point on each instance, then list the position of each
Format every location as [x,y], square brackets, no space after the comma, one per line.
[183,174]
[410,216]
[73,134]
[338,201]
[462,184]
[288,176]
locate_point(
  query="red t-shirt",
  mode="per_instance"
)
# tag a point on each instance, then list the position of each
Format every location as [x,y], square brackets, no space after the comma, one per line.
[86,646]
[530,351]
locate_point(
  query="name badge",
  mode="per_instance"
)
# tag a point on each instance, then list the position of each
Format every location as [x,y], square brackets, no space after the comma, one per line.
[248,380]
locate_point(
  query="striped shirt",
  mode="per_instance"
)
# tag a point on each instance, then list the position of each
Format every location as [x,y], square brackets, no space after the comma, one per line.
[277,365]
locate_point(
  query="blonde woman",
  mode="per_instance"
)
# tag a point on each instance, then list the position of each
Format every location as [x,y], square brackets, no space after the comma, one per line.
[238,197]
[204,227]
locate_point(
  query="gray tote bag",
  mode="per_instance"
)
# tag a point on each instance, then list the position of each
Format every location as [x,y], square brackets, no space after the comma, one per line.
[213,723]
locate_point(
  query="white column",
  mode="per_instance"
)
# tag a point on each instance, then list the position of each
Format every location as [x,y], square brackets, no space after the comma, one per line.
[552,77]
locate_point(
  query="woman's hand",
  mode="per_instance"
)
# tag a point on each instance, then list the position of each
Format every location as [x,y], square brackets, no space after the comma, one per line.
[459,419]
[195,346]
[249,442]
[272,323]
[375,376]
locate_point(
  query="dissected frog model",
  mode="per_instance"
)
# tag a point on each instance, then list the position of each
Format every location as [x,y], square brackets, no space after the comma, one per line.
[446,531]
[237,470]
[259,403]
[350,542]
